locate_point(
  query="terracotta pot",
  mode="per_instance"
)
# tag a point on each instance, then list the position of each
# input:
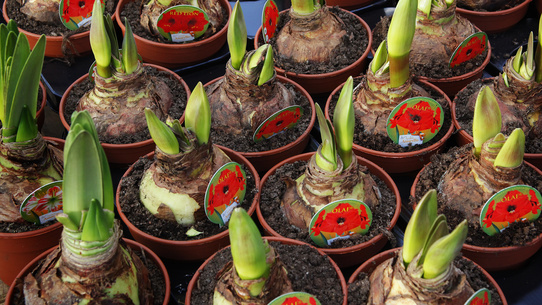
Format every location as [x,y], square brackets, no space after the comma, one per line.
[121,153]
[452,85]
[462,138]
[369,266]
[402,162]
[349,4]
[132,244]
[194,281]
[325,82]
[496,258]
[350,256]
[498,21]
[79,44]
[187,250]
[176,55]
[264,160]
[17,249]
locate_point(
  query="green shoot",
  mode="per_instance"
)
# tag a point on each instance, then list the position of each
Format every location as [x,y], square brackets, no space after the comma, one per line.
[486,122]
[161,134]
[419,226]
[380,58]
[198,114]
[100,42]
[130,57]
[442,253]
[511,153]
[326,157]
[343,122]
[400,36]
[237,36]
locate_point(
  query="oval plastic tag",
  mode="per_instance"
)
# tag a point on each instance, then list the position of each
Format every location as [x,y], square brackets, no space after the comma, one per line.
[225,191]
[43,204]
[182,23]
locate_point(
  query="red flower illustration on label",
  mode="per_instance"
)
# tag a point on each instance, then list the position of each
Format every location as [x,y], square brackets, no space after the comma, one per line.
[283,121]
[417,118]
[49,202]
[514,206]
[480,301]
[225,191]
[185,22]
[316,229]
[471,49]
[271,17]
[77,8]
[342,219]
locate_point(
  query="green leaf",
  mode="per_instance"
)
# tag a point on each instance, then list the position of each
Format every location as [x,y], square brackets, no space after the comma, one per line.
[65,220]
[27,129]
[419,225]
[161,134]
[380,57]
[237,36]
[518,59]
[400,35]
[129,50]
[112,34]
[197,114]
[326,158]
[486,122]
[425,7]
[511,153]
[438,230]
[268,69]
[443,252]
[21,53]
[100,42]
[98,223]
[344,121]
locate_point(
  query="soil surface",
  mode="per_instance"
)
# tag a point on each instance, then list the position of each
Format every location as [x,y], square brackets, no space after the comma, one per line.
[270,205]
[176,110]
[140,217]
[155,275]
[245,143]
[464,115]
[508,5]
[384,143]
[307,269]
[517,234]
[132,11]
[355,42]
[358,291]
[432,68]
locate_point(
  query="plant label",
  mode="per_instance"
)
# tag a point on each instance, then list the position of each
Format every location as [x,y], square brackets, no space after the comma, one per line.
[43,204]
[514,203]
[91,71]
[480,297]
[471,47]
[270,19]
[295,298]
[182,23]
[225,191]
[76,13]
[415,121]
[340,220]
[278,123]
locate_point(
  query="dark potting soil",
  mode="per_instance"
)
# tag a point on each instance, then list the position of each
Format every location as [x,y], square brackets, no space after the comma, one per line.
[140,217]
[308,270]
[13,11]
[156,277]
[176,110]
[464,115]
[384,143]
[432,68]
[518,234]
[274,189]
[132,12]
[354,44]
[245,142]
[358,291]
[508,5]
[20,227]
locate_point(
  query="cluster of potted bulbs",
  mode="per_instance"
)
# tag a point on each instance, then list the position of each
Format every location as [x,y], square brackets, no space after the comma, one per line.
[195,158]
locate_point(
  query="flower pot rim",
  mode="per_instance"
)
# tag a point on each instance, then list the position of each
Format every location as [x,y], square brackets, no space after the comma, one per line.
[393,252]
[486,250]
[400,155]
[285,240]
[498,13]
[129,242]
[194,44]
[328,74]
[302,137]
[127,145]
[209,239]
[361,161]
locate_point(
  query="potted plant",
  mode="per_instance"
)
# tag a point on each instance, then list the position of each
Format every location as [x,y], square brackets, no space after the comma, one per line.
[38,17]
[426,269]
[318,46]
[258,270]
[517,91]
[388,85]
[490,167]
[120,89]
[92,264]
[158,50]
[248,95]
[183,183]
[433,56]
[28,160]
[493,16]
[300,189]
